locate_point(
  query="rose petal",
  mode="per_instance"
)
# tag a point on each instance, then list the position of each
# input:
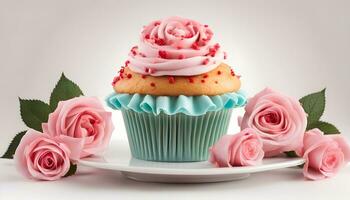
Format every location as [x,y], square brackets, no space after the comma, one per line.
[343,145]
[221,151]
[229,150]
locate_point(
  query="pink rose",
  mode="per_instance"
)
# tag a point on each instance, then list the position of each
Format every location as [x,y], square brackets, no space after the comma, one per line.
[42,157]
[278,119]
[241,149]
[81,119]
[324,154]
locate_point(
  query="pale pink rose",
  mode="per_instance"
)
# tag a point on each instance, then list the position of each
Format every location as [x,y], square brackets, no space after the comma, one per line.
[81,119]
[241,149]
[324,154]
[41,157]
[278,119]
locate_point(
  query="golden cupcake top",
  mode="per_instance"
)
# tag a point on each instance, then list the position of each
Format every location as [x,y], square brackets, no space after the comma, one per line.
[218,81]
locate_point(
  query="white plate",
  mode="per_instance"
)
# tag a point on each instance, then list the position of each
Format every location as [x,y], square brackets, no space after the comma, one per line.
[118,158]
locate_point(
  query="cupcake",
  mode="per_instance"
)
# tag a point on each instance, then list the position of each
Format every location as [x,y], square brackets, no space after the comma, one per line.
[175,92]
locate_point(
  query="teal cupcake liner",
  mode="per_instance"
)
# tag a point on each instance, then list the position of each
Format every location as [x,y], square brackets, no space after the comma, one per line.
[174,138]
[170,105]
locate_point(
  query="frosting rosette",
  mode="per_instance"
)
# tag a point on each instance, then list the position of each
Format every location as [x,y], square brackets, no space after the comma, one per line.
[175,46]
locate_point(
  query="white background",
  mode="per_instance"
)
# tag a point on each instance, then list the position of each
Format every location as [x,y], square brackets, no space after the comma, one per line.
[296,47]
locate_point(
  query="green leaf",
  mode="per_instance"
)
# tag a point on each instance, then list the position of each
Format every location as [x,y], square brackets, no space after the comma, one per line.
[65,89]
[13,145]
[72,170]
[291,154]
[314,105]
[34,113]
[325,127]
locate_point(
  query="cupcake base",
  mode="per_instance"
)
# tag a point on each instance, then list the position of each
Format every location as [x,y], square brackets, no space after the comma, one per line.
[174,138]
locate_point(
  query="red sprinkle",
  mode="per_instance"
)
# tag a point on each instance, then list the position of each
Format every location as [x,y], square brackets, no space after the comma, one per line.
[205,76]
[153,84]
[171,79]
[121,70]
[159,41]
[206,61]
[203,81]
[178,47]
[142,54]
[156,23]
[217,46]
[191,80]
[181,56]
[205,25]
[129,76]
[195,46]
[133,50]
[232,72]
[115,80]
[143,76]
[189,35]
[147,36]
[162,54]
[212,52]
[127,63]
[219,72]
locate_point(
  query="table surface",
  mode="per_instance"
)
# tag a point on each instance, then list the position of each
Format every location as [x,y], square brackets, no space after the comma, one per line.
[91,183]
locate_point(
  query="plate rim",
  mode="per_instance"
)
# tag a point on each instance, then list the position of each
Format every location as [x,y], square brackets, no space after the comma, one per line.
[289,162]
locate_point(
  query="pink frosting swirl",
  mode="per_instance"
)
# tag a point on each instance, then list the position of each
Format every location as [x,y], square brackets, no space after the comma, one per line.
[175,46]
